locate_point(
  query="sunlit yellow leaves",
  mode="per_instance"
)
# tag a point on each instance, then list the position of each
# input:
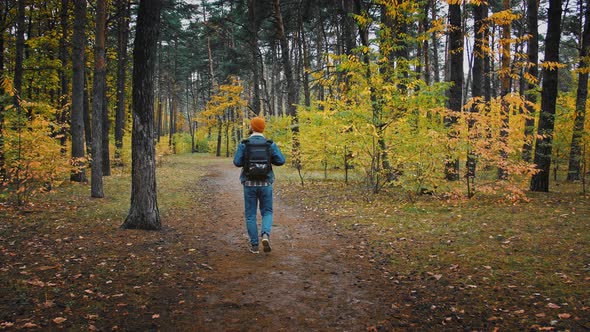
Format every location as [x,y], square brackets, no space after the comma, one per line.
[551,65]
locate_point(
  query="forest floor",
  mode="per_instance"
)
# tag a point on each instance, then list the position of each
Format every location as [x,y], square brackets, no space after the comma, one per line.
[342,260]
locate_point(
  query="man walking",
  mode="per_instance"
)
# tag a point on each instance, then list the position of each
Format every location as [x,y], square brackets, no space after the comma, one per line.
[256,155]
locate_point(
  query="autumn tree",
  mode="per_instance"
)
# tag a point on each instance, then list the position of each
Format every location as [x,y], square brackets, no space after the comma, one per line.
[144,213]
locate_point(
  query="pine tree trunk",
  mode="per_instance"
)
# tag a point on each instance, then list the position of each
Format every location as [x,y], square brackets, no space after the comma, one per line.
[5,9]
[505,91]
[479,15]
[435,63]
[456,78]
[253,35]
[62,118]
[292,93]
[574,166]
[122,39]
[543,146]
[533,72]
[77,109]
[106,127]
[98,92]
[86,116]
[144,213]
[19,54]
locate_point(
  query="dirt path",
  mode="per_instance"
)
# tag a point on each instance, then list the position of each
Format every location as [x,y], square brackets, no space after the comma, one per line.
[312,280]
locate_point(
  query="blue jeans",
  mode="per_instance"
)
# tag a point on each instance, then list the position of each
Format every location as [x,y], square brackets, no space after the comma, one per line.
[253,196]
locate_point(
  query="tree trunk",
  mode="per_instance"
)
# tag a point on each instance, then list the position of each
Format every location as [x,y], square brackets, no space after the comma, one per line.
[86,116]
[77,109]
[575,158]
[435,63]
[106,127]
[62,118]
[219,127]
[292,94]
[456,78]
[505,91]
[98,100]
[479,15]
[144,213]
[543,146]
[253,35]
[533,72]
[122,39]
[19,54]
[5,9]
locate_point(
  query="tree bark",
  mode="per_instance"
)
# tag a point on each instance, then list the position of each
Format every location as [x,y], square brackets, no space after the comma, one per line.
[533,72]
[543,146]
[122,39]
[86,116]
[77,109]
[505,91]
[144,213]
[62,118]
[4,6]
[253,35]
[19,54]
[292,93]
[479,15]
[98,89]
[574,166]
[456,77]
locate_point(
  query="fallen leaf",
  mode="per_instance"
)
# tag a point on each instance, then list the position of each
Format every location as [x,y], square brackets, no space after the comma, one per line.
[6,324]
[564,316]
[156,316]
[519,312]
[553,306]
[30,325]
[59,320]
[36,282]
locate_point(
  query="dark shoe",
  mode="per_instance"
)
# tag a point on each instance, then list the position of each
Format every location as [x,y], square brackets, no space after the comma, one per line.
[266,243]
[254,249]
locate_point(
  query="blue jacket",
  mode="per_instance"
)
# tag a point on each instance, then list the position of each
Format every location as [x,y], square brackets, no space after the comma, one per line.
[277,157]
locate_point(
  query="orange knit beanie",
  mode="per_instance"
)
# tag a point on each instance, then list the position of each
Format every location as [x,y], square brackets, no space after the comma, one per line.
[258,124]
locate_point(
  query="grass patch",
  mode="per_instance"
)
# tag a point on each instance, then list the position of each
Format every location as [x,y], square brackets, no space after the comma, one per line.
[482,262]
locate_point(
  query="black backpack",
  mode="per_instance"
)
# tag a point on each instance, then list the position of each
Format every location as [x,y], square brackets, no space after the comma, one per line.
[258,157]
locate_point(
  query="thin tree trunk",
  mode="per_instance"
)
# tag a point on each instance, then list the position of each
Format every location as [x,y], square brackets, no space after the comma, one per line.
[122,39]
[77,110]
[86,116]
[19,54]
[575,158]
[106,127]
[435,63]
[292,94]
[5,9]
[505,81]
[533,73]
[62,118]
[253,35]
[98,100]
[543,146]
[144,213]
